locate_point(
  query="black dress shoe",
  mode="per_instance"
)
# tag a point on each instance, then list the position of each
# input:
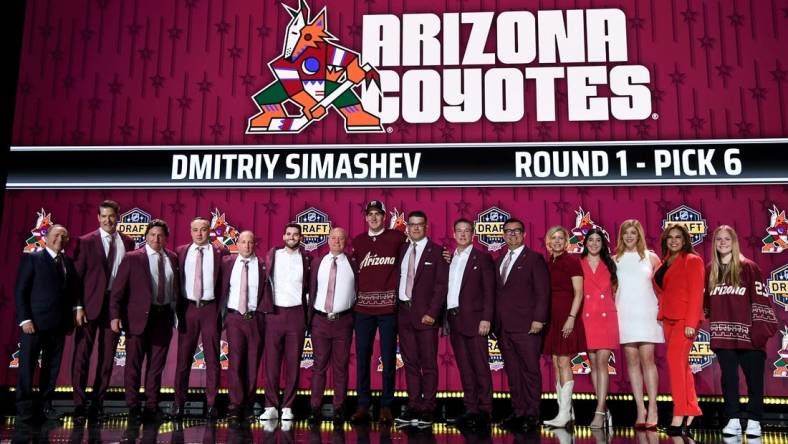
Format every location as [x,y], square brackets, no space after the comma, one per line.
[531,422]
[685,431]
[315,415]
[80,414]
[96,412]
[177,413]
[135,413]
[463,420]
[408,416]
[672,430]
[481,420]
[212,414]
[155,415]
[339,415]
[514,422]
[51,414]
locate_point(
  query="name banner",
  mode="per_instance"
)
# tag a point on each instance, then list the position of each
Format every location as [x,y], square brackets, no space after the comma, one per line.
[462,164]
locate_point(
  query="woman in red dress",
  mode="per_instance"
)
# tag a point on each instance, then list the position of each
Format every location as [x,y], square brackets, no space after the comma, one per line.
[565,336]
[680,288]
[599,316]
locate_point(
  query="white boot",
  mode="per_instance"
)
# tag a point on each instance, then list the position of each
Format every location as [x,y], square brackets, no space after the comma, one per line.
[753,428]
[564,406]
[733,428]
[269,413]
[558,399]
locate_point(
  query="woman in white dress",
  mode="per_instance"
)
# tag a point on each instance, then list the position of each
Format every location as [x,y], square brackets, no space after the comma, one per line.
[637,307]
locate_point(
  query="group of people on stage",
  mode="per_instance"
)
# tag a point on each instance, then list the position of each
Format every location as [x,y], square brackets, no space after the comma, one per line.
[397,285]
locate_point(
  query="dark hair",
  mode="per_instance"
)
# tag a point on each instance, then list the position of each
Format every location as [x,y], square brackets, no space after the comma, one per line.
[514,220]
[293,225]
[417,213]
[463,220]
[109,204]
[158,223]
[663,239]
[604,254]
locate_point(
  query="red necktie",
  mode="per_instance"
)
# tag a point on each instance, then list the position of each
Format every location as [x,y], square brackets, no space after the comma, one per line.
[198,275]
[162,278]
[411,273]
[332,286]
[243,299]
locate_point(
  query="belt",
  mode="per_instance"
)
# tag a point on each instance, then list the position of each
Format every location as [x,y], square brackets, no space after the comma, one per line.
[405,303]
[333,316]
[201,303]
[159,309]
[454,311]
[247,316]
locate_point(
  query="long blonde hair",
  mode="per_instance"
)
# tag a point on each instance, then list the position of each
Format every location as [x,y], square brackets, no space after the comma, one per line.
[732,275]
[550,232]
[641,243]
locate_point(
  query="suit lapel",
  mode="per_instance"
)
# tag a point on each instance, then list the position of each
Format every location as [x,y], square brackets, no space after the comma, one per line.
[217,263]
[260,283]
[468,266]
[101,253]
[517,263]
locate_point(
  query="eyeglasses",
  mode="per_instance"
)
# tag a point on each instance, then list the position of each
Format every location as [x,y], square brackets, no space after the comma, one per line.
[513,232]
[422,224]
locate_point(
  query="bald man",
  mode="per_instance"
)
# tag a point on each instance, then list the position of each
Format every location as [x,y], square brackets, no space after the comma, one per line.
[333,284]
[47,288]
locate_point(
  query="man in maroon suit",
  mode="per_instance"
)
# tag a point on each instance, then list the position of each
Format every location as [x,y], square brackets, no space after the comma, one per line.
[198,314]
[243,282]
[284,303]
[423,284]
[97,258]
[470,305]
[142,303]
[522,307]
[333,284]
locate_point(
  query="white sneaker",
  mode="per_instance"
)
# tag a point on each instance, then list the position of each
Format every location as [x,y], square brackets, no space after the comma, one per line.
[269,413]
[753,428]
[287,414]
[733,428]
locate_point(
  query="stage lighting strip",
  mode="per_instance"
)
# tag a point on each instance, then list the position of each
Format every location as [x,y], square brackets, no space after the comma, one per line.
[774,400]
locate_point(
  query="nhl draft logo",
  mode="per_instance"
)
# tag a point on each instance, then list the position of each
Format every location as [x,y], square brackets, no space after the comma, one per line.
[494,352]
[198,359]
[781,365]
[15,357]
[133,224]
[701,355]
[308,355]
[489,228]
[690,219]
[38,235]
[315,74]
[120,351]
[583,224]
[224,354]
[778,286]
[223,235]
[398,359]
[581,364]
[777,239]
[314,228]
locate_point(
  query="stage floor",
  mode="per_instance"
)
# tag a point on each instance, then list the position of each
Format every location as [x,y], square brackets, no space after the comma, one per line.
[271,432]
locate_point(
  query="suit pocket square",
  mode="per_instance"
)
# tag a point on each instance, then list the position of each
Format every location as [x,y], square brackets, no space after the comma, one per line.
[427,263]
[475,267]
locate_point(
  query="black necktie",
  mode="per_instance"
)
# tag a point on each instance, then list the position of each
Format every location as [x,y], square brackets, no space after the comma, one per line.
[61,272]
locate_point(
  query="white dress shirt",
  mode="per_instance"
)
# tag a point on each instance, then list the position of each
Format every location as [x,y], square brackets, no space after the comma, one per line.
[153,263]
[456,271]
[512,260]
[288,278]
[207,272]
[345,291]
[253,281]
[403,268]
[120,251]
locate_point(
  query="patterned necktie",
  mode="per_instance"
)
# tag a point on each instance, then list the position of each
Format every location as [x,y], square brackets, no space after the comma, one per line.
[411,272]
[162,277]
[197,292]
[505,267]
[243,299]
[332,286]
[110,256]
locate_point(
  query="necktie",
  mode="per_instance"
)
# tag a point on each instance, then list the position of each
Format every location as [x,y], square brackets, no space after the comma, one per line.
[198,275]
[243,299]
[505,267]
[110,256]
[61,272]
[162,278]
[332,286]
[411,272]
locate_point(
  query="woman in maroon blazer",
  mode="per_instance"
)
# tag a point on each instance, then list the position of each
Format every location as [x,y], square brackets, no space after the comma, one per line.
[679,283]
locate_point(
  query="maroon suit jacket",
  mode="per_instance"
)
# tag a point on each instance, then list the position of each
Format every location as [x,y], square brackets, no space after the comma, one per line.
[270,263]
[526,296]
[227,271]
[132,290]
[91,264]
[430,285]
[313,281]
[477,293]
[181,252]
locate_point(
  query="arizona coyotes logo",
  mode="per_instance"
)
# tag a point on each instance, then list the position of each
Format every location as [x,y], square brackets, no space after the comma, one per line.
[777,240]
[315,74]
[583,224]
[223,235]
[581,364]
[398,221]
[224,354]
[38,235]
[781,364]
[198,359]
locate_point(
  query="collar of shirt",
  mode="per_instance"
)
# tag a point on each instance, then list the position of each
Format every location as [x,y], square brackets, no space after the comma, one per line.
[152,252]
[465,252]
[51,252]
[252,259]
[340,257]
[194,247]
[420,243]
[373,234]
[105,235]
[517,250]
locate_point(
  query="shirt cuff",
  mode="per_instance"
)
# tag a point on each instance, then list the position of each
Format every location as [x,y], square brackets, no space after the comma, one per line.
[78,307]
[25,322]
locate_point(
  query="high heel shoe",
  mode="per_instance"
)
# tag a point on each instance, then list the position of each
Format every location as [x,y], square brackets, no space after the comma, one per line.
[672,430]
[604,424]
[609,419]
